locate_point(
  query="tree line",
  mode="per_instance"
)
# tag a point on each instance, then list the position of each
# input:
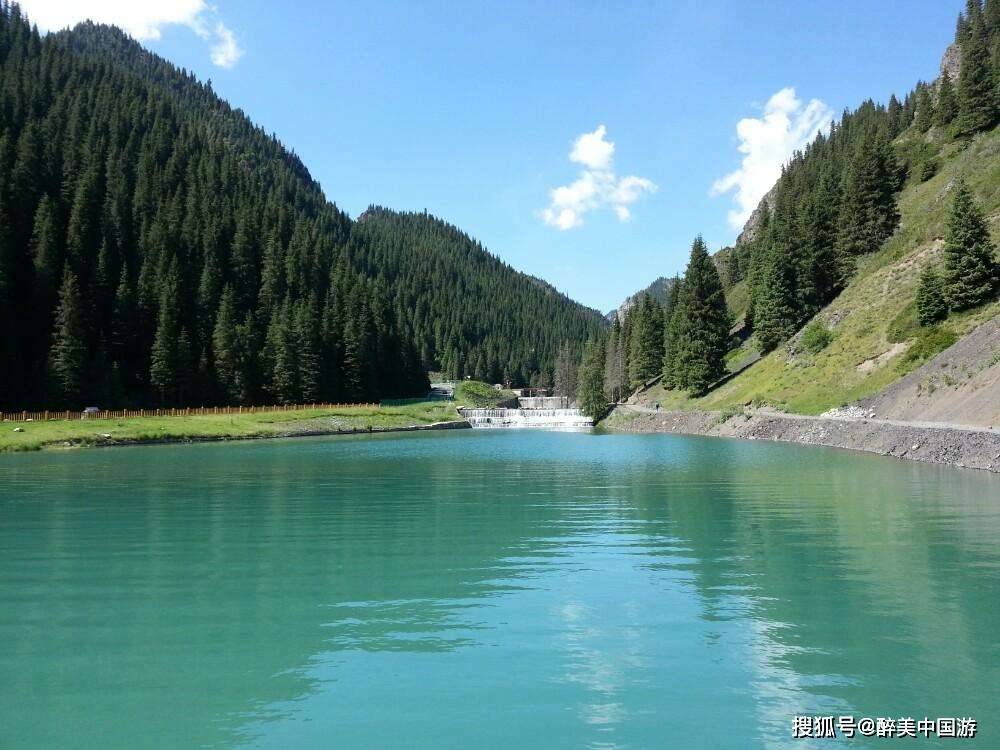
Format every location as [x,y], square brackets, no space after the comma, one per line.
[157,248]
[684,341]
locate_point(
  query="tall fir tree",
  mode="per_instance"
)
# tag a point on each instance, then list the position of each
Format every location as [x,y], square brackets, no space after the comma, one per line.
[947,104]
[868,213]
[68,354]
[774,309]
[925,109]
[164,363]
[565,372]
[977,94]
[931,304]
[593,401]
[703,322]
[670,330]
[614,362]
[971,274]
[646,361]
[226,346]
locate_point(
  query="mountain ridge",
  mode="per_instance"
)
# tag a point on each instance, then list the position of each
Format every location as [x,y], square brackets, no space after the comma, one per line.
[169,250]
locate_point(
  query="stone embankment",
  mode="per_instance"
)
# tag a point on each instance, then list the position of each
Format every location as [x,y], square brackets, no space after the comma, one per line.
[974,448]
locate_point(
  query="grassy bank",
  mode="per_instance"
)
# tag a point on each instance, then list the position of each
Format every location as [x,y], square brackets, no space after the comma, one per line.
[58,433]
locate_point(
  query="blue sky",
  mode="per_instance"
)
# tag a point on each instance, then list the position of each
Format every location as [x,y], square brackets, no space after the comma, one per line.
[471,110]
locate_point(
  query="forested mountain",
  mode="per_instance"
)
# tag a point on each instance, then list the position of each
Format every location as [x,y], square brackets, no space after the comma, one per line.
[158,248]
[835,204]
[468,312]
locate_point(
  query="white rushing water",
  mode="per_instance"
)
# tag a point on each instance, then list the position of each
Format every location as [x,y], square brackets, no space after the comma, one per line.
[542,418]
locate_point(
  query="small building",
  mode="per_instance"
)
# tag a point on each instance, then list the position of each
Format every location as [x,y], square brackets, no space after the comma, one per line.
[528,392]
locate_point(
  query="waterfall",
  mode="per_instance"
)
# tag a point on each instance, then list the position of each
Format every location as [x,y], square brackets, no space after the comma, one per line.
[520,417]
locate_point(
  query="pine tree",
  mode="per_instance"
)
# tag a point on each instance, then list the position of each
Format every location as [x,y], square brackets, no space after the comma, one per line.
[565,373]
[279,355]
[971,275]
[6,306]
[774,312]
[646,361]
[593,402]
[45,251]
[68,355]
[925,109]
[931,304]
[868,213]
[614,364]
[977,95]
[670,330]
[164,364]
[226,346]
[947,105]
[703,321]
[306,329]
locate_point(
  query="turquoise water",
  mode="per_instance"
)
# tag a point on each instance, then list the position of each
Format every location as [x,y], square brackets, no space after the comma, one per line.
[490,589]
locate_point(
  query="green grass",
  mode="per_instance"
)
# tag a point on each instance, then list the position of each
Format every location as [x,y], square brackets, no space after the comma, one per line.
[57,433]
[737,299]
[875,311]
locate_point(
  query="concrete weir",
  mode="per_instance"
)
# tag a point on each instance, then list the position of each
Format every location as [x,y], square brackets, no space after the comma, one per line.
[552,413]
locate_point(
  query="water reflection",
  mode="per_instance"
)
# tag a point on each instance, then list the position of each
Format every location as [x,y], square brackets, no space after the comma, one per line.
[529,589]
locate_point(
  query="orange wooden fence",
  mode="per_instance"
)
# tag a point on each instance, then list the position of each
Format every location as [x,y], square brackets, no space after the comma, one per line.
[41,416]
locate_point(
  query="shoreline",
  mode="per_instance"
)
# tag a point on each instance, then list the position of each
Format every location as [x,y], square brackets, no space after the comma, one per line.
[458,424]
[968,448]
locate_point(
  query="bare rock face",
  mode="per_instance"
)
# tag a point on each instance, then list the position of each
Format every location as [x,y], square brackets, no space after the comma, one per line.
[951,62]
[749,233]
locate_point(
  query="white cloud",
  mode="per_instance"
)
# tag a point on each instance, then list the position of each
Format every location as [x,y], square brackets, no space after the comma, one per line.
[591,150]
[768,143]
[225,51]
[597,186]
[143,19]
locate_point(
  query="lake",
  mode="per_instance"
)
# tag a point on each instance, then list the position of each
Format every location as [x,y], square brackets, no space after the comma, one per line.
[490,589]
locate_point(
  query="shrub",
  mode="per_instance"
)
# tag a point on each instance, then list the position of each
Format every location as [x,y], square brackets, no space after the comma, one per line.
[928,169]
[816,337]
[904,326]
[928,342]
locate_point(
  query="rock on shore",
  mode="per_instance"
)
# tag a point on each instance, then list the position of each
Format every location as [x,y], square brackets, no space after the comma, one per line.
[969,448]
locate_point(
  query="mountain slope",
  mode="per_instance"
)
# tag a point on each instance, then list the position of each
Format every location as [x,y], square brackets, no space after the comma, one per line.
[873,320]
[156,247]
[468,312]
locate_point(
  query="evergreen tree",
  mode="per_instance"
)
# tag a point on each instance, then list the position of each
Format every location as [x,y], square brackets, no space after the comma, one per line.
[6,303]
[164,363]
[593,402]
[226,345]
[947,105]
[68,355]
[46,253]
[565,373]
[703,323]
[646,360]
[670,330]
[925,109]
[774,312]
[869,213]
[614,362]
[971,275]
[977,95]
[307,346]
[931,304]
